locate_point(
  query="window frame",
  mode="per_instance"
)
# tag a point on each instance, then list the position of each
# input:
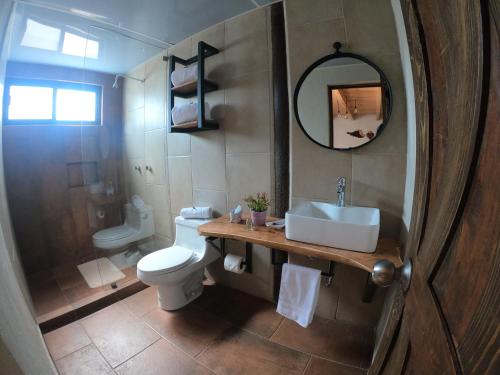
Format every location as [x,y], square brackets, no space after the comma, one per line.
[54,84]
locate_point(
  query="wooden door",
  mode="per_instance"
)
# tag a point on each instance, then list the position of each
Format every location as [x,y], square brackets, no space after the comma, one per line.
[448,320]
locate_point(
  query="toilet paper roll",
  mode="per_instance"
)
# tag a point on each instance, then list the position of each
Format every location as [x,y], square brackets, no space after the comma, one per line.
[233,263]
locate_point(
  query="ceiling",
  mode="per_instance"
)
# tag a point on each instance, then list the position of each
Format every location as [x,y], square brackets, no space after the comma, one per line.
[123,32]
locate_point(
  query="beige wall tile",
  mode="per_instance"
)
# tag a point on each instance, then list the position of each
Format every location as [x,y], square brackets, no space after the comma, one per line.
[136,182]
[378,181]
[309,42]
[134,133]
[370,26]
[212,198]
[209,160]
[246,44]
[315,169]
[180,181]
[155,94]
[214,65]
[247,120]
[247,174]
[183,49]
[299,12]
[158,198]
[155,141]
[133,91]
[178,144]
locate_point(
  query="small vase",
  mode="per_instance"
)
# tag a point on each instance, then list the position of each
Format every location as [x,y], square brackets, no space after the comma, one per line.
[258,218]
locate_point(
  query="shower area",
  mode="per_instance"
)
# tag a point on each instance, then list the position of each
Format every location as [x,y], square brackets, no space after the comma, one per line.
[62,145]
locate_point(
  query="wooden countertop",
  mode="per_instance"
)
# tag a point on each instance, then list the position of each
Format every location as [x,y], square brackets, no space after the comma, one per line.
[387,248]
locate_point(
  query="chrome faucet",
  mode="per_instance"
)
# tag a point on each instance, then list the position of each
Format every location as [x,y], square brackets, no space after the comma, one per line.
[340,191]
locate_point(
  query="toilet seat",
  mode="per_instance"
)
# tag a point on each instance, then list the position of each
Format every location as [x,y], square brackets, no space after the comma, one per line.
[165,260]
[115,233]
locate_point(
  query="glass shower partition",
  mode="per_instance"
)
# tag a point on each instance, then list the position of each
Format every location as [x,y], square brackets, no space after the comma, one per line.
[64,172]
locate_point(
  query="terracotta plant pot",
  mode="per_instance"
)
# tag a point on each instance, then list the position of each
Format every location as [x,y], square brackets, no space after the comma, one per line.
[258,218]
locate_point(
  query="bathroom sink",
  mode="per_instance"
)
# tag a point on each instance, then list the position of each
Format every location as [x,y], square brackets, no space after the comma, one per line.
[350,228]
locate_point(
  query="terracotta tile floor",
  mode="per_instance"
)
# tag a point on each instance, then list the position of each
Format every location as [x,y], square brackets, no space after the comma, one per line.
[223,332]
[59,291]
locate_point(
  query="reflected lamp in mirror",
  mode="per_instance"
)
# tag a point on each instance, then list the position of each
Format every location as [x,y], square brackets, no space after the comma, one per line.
[343,101]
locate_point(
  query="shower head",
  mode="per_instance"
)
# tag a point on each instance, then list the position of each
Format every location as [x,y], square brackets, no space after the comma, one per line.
[115,83]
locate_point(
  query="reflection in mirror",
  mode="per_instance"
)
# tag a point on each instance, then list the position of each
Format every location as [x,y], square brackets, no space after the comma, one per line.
[343,103]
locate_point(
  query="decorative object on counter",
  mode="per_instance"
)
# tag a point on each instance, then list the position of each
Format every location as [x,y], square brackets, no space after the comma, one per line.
[235,214]
[249,224]
[110,190]
[299,293]
[259,206]
[196,212]
[277,224]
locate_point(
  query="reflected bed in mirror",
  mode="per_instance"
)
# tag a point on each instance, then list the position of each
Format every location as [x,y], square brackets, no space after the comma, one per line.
[342,101]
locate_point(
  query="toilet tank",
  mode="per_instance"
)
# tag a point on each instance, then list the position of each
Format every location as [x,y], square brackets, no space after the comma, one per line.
[140,219]
[186,234]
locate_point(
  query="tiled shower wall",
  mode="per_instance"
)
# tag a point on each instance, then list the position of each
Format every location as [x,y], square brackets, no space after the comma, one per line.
[375,173]
[216,168]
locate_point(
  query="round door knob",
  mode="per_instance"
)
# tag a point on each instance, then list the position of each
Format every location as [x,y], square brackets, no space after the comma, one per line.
[385,273]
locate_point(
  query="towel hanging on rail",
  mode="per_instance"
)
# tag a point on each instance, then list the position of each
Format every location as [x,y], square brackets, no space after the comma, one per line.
[299,293]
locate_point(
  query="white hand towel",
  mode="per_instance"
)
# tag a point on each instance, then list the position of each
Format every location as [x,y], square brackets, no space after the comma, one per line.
[299,293]
[196,212]
[186,113]
[184,75]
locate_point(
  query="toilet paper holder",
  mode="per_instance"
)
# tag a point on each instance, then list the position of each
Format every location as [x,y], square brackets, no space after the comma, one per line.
[222,251]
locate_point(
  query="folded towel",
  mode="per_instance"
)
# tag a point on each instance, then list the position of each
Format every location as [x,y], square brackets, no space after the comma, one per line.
[299,293]
[196,212]
[184,75]
[186,113]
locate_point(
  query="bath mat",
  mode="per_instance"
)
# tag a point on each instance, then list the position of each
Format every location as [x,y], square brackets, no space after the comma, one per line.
[100,272]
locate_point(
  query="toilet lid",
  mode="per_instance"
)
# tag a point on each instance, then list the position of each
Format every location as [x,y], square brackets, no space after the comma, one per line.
[166,260]
[114,233]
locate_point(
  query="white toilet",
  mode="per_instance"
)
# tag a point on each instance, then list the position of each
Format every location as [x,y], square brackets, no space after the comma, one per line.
[178,270]
[138,225]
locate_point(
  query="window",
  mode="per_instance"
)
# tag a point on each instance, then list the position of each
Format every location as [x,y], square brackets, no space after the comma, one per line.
[41,102]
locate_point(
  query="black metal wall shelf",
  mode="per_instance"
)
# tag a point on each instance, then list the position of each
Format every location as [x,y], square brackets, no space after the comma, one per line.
[192,89]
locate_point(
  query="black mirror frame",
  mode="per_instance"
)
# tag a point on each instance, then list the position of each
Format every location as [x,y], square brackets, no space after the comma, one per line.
[337,54]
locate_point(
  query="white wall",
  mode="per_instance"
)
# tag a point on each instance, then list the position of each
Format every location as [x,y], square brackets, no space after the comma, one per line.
[18,329]
[411,135]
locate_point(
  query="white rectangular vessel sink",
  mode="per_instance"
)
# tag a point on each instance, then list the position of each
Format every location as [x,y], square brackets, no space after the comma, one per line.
[350,228]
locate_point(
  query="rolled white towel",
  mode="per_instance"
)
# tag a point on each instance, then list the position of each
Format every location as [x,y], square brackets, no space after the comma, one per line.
[187,113]
[196,212]
[184,75]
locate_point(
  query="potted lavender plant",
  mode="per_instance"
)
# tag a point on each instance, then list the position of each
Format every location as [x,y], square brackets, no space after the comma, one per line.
[258,207]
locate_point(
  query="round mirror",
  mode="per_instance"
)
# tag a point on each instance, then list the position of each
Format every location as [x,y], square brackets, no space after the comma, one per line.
[343,101]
